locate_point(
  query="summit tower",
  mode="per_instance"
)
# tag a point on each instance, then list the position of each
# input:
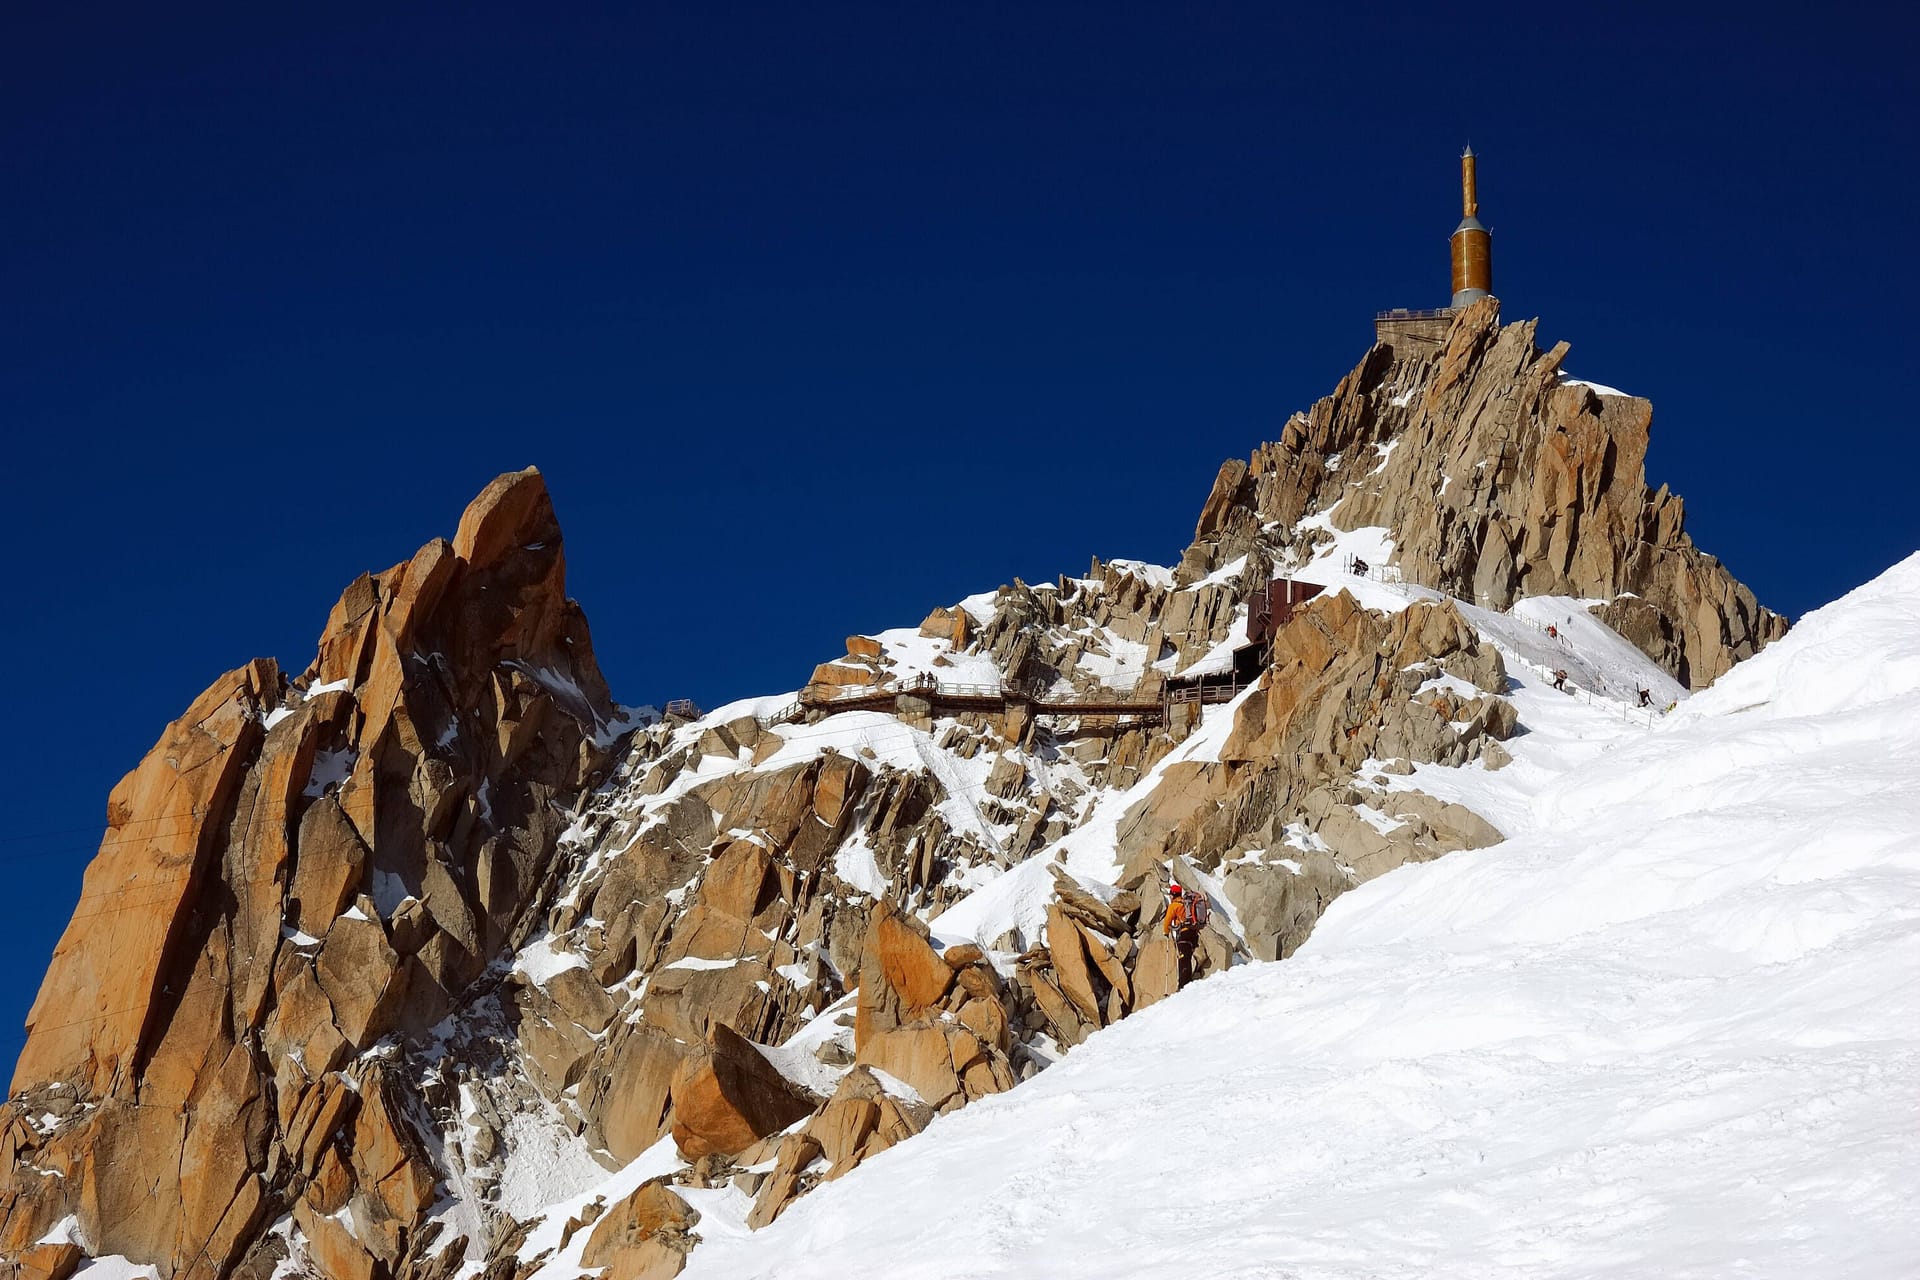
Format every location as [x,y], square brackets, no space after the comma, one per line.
[1471,249]
[1472,242]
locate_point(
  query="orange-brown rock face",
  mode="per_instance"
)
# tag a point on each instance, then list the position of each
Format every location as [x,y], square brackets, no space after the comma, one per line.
[297,870]
[729,1097]
[934,1023]
[644,1237]
[96,1006]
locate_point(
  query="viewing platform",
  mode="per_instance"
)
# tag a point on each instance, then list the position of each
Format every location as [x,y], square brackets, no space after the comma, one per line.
[1413,332]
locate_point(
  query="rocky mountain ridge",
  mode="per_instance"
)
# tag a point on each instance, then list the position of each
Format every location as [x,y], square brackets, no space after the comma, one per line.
[1501,478]
[382,966]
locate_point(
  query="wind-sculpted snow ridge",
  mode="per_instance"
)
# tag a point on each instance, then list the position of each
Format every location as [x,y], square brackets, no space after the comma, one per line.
[1668,1028]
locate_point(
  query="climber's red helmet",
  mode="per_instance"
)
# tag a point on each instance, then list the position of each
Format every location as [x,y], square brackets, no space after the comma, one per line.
[1174,889]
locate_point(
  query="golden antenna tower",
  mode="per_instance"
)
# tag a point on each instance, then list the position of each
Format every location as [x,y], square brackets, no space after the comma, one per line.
[1472,243]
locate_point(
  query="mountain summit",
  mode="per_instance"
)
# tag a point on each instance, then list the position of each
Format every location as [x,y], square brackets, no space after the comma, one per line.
[431,961]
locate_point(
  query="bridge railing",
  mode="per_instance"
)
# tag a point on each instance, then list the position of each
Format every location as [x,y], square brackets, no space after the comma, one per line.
[941,688]
[1385,574]
[925,684]
[785,715]
[1206,691]
[850,693]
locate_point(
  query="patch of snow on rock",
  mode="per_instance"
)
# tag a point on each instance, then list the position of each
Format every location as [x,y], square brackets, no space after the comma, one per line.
[540,961]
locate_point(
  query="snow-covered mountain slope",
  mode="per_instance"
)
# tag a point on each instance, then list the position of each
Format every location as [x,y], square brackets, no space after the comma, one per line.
[453,945]
[1670,1027]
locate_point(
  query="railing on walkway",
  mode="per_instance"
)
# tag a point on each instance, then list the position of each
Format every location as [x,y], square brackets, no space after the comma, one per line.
[786,715]
[959,695]
[1404,313]
[1045,700]
[1620,702]
[1385,574]
[1604,696]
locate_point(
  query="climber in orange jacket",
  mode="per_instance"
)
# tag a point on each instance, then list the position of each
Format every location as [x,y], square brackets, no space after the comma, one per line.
[1186,916]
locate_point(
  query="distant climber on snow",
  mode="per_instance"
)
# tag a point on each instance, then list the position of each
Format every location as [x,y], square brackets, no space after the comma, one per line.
[1360,566]
[1646,697]
[1560,679]
[1186,916]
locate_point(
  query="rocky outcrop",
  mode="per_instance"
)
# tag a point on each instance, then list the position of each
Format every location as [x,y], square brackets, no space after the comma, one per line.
[1282,815]
[647,1236]
[936,1031]
[1345,685]
[729,1097]
[934,1023]
[1500,478]
[932,1032]
[298,871]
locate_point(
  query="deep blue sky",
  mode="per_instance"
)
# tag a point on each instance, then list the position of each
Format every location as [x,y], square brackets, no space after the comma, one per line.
[818,317]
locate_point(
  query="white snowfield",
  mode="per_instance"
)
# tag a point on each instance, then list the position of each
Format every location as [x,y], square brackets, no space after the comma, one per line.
[1670,1028]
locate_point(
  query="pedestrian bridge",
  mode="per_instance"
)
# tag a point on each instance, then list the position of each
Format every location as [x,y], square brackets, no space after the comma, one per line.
[944,696]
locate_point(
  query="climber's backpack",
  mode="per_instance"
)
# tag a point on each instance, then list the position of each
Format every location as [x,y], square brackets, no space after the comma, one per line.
[1199,909]
[1189,913]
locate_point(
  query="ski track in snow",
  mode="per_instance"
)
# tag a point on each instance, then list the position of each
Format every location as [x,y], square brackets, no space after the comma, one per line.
[1668,1028]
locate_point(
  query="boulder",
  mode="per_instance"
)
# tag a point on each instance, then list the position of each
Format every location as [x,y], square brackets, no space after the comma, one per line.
[331,1244]
[740,880]
[986,1018]
[729,1097]
[357,970]
[843,1126]
[963,955]
[830,676]
[1062,1015]
[1278,904]
[53,1261]
[1078,979]
[646,1236]
[901,975]
[332,868]
[1102,952]
[1156,969]
[1084,906]
[1007,778]
[789,1179]
[920,1055]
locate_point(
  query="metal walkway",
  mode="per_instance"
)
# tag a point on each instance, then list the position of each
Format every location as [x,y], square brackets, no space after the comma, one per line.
[999,698]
